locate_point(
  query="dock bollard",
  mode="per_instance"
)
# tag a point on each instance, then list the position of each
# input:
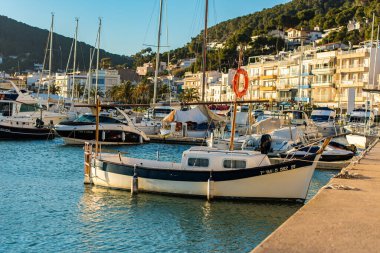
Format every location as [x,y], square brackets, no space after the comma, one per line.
[210,188]
[134,182]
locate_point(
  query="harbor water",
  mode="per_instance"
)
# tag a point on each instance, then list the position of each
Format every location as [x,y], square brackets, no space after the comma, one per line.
[45,207]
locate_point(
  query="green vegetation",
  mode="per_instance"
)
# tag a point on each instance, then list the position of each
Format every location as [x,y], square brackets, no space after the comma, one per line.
[28,45]
[304,14]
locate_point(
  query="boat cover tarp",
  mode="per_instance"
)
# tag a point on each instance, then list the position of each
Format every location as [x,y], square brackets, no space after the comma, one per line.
[241,118]
[199,114]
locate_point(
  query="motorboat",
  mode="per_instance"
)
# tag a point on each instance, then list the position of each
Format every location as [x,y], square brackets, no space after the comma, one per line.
[324,119]
[330,154]
[17,127]
[361,127]
[280,131]
[21,104]
[158,112]
[112,131]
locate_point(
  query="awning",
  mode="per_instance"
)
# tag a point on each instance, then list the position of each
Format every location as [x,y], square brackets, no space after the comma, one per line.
[326,60]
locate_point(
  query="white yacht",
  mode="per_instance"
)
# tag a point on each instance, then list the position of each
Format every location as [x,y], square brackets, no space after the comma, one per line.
[112,131]
[324,119]
[360,125]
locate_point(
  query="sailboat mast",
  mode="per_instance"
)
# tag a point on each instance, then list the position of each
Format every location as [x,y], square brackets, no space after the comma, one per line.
[75,58]
[157,54]
[97,59]
[204,53]
[89,78]
[50,54]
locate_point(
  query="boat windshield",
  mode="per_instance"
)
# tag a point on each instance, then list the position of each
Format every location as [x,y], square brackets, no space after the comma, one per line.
[356,119]
[320,118]
[102,119]
[29,107]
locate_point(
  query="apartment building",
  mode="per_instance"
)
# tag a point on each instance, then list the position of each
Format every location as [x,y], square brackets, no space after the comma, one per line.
[323,82]
[106,79]
[222,90]
[355,70]
[195,81]
[262,73]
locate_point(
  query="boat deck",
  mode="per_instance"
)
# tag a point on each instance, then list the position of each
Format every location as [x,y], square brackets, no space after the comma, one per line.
[177,140]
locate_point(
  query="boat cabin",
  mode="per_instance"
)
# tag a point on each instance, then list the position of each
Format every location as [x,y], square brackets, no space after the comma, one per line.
[213,159]
[360,116]
[323,114]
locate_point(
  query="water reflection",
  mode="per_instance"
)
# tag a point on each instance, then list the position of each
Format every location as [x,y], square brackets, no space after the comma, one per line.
[166,223]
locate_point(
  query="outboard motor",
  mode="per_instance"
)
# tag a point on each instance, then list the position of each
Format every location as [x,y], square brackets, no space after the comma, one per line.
[265,143]
[39,123]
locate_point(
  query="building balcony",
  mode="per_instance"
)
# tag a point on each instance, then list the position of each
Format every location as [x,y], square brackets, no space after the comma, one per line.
[254,78]
[305,86]
[358,99]
[352,68]
[322,97]
[371,88]
[353,54]
[267,77]
[322,84]
[323,71]
[351,83]
[284,87]
[267,88]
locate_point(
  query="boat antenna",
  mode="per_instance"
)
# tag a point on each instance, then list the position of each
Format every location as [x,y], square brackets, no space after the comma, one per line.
[157,54]
[50,56]
[97,59]
[75,58]
[204,51]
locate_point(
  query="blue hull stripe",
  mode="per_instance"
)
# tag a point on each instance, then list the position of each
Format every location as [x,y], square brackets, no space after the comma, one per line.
[201,176]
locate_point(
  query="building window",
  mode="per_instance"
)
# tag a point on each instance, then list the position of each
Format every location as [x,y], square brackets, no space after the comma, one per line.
[234,164]
[100,80]
[198,162]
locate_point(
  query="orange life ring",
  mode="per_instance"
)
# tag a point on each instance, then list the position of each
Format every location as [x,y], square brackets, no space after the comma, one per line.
[241,93]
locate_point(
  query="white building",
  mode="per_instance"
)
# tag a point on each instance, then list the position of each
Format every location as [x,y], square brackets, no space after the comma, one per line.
[106,79]
[33,78]
[185,63]
[65,83]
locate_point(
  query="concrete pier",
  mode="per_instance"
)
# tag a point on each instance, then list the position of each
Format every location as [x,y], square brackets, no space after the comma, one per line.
[344,216]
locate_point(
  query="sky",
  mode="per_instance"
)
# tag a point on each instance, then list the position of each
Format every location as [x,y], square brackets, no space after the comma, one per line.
[129,26]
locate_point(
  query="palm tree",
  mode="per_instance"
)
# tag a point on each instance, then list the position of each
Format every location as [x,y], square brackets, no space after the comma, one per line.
[54,89]
[141,93]
[189,95]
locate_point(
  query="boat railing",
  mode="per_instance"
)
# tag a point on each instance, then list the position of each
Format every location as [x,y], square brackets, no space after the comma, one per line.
[302,145]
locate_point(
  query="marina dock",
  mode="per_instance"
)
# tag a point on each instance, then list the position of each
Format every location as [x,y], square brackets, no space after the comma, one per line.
[342,217]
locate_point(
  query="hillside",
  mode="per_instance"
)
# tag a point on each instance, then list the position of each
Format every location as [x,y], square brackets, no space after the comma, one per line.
[295,14]
[28,44]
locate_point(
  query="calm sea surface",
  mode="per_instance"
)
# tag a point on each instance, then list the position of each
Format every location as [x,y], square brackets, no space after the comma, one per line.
[45,207]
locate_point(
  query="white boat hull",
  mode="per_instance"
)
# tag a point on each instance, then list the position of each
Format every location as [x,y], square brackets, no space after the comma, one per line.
[287,184]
